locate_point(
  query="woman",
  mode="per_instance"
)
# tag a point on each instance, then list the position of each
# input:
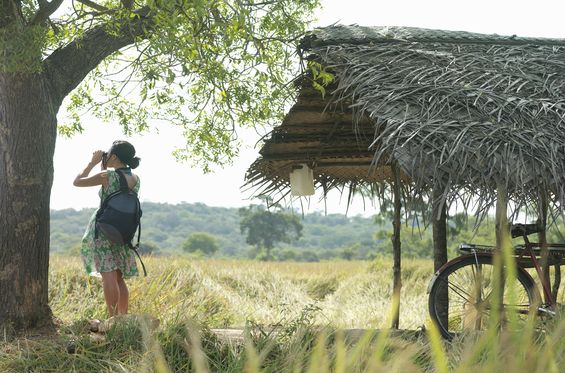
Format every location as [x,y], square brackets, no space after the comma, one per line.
[101,257]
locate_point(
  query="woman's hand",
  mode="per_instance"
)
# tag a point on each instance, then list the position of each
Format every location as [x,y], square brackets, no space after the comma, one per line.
[96,157]
[82,179]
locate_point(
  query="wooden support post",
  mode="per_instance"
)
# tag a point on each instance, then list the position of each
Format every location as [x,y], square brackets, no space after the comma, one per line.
[397,284]
[542,239]
[501,215]
[439,224]
[557,282]
[502,239]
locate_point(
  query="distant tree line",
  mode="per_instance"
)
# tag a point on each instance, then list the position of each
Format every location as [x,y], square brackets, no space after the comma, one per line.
[166,229]
[170,229]
[274,234]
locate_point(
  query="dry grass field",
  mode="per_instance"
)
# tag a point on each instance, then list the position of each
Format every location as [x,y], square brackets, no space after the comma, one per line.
[307,304]
[230,293]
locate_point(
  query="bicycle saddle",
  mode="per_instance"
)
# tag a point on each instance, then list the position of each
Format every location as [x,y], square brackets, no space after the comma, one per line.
[518,230]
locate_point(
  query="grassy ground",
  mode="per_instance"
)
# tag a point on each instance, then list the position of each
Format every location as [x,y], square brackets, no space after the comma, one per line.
[230,293]
[306,303]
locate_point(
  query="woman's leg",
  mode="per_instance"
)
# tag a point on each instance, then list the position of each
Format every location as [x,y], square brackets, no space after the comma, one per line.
[124,295]
[111,291]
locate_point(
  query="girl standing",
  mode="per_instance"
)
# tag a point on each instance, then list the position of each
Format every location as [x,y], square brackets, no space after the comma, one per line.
[113,262]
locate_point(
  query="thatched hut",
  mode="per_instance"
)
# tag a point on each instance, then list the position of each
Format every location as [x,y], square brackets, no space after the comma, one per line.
[459,115]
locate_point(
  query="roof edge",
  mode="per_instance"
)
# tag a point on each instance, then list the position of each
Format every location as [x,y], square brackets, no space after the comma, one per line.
[355,34]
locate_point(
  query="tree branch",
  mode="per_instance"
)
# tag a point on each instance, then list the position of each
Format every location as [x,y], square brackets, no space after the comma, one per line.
[68,66]
[93,5]
[45,10]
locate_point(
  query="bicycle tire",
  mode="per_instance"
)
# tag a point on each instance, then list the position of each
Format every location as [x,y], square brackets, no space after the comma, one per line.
[470,277]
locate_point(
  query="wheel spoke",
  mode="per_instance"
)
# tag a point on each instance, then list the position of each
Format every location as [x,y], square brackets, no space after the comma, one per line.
[456,289]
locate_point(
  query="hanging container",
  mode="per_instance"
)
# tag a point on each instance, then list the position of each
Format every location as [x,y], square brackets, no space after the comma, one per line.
[302,180]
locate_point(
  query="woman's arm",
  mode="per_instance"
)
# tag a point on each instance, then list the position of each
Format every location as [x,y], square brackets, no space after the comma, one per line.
[101,178]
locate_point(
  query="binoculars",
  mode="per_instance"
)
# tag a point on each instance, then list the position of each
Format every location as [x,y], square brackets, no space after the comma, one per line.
[104,159]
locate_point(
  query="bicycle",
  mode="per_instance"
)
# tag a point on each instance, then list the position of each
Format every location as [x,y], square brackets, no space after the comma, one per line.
[461,292]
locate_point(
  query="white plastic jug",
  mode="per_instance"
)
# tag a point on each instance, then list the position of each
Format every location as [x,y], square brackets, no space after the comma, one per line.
[302,181]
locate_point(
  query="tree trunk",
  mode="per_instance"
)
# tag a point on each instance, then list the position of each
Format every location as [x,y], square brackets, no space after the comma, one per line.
[27,143]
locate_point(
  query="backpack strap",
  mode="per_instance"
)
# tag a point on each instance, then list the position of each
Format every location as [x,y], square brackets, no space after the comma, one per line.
[123,181]
[137,245]
[138,256]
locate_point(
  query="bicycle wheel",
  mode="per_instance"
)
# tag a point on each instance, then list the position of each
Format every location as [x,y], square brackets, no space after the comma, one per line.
[461,295]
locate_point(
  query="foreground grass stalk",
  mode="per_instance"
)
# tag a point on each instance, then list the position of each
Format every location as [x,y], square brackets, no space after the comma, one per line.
[252,363]
[438,353]
[154,359]
[319,357]
[196,353]
[340,363]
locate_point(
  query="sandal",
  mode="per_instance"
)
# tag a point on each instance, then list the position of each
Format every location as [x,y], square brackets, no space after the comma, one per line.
[94,325]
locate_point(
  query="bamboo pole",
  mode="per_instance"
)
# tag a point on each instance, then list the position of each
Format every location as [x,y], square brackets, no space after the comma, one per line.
[397,284]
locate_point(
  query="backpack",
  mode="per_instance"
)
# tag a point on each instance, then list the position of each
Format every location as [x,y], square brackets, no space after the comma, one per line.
[118,217]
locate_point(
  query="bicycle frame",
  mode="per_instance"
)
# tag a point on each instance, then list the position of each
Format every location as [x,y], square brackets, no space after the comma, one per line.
[529,248]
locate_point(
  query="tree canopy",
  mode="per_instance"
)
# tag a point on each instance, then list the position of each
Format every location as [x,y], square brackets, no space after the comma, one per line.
[205,66]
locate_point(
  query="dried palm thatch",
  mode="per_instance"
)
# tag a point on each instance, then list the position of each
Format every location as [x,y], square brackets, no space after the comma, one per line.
[333,142]
[459,111]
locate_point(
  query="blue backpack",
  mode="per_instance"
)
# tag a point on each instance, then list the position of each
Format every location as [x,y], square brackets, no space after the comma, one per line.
[119,217]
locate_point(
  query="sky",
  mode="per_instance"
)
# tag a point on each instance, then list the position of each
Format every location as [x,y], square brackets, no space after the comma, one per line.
[165,180]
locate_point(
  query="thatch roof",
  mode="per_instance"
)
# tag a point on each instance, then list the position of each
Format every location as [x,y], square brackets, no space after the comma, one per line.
[458,110]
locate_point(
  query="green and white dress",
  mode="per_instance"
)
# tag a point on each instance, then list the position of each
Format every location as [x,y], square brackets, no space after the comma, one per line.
[101,255]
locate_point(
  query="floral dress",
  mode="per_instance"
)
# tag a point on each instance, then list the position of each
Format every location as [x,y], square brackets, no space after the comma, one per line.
[101,255]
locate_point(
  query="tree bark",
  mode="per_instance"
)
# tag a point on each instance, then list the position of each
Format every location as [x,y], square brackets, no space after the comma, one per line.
[27,143]
[10,11]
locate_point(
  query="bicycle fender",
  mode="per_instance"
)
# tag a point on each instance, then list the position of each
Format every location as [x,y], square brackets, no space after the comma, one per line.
[432,282]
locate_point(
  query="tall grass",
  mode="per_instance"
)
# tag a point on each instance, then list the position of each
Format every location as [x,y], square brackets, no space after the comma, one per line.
[293,315]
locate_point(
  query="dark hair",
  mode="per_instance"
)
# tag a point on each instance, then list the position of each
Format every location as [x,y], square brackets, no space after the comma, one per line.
[125,152]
